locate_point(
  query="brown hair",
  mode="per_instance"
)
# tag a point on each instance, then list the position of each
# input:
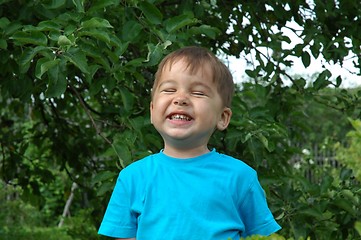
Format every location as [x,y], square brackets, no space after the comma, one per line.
[196,57]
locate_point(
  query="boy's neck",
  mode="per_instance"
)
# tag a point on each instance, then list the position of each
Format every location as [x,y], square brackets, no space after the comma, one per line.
[185,152]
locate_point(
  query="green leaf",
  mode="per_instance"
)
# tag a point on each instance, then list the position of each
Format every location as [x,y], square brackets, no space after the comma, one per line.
[57,82]
[312,212]
[32,37]
[123,153]
[155,54]
[137,62]
[131,30]
[70,29]
[300,83]
[321,81]
[315,48]
[349,195]
[104,188]
[101,4]
[12,27]
[326,183]
[92,69]
[3,44]
[298,49]
[4,22]
[79,4]
[96,22]
[109,83]
[29,28]
[119,44]
[46,66]
[246,137]
[54,35]
[64,41]
[251,73]
[38,66]
[90,49]
[78,58]
[356,124]
[345,205]
[127,99]
[54,4]
[338,81]
[103,176]
[209,31]
[151,12]
[28,56]
[265,142]
[138,123]
[306,59]
[358,227]
[48,26]
[177,22]
[345,174]
[97,34]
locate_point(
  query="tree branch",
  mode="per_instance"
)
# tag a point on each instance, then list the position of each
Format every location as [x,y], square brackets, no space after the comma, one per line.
[84,105]
[66,211]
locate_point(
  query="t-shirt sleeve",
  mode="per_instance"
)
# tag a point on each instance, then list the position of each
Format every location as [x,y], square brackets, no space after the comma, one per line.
[256,215]
[119,221]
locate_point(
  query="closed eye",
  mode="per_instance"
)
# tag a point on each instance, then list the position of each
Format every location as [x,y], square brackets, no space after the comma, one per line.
[199,93]
[168,90]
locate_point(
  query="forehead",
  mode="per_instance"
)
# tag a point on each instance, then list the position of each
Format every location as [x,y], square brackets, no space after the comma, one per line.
[184,65]
[181,65]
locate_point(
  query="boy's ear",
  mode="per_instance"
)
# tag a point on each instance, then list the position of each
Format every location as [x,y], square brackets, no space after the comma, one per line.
[151,112]
[224,119]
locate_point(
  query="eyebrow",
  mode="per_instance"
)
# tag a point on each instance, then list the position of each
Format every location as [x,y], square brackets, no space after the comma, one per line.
[166,81]
[196,83]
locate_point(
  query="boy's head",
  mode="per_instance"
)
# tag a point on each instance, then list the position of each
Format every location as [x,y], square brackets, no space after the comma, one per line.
[197,58]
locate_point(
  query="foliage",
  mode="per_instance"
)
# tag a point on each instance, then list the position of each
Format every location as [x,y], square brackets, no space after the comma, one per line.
[358,227]
[75,78]
[324,207]
[257,237]
[323,110]
[351,155]
[81,226]
[20,220]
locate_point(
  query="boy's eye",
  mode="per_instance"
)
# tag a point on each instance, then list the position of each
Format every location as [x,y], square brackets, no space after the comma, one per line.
[199,93]
[168,90]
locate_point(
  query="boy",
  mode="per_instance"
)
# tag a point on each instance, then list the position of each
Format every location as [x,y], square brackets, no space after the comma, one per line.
[187,191]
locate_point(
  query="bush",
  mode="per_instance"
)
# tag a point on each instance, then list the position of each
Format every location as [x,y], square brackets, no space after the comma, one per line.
[33,233]
[351,155]
[20,220]
[81,227]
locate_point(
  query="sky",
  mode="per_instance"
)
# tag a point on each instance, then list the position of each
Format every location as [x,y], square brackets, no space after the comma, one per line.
[238,66]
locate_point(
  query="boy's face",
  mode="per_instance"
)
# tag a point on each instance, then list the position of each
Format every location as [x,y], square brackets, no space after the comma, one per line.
[187,108]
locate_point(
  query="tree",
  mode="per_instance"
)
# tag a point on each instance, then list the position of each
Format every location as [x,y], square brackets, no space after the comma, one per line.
[75,81]
[351,155]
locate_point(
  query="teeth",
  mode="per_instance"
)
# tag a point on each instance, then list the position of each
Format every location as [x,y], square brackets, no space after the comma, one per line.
[180,117]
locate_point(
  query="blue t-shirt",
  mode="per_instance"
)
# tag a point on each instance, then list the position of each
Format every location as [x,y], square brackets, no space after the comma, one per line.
[213,196]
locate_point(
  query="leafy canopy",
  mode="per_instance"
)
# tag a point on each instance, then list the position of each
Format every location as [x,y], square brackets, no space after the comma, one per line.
[75,78]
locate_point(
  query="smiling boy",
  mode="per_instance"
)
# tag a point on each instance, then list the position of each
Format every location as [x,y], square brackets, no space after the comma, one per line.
[187,191]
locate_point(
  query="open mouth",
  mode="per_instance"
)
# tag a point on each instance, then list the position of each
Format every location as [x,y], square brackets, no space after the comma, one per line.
[180,117]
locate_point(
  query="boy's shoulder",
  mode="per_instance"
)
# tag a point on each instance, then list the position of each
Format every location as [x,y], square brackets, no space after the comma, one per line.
[141,164]
[234,164]
[216,160]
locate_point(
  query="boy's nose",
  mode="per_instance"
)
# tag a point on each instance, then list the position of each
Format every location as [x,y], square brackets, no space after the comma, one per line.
[180,100]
